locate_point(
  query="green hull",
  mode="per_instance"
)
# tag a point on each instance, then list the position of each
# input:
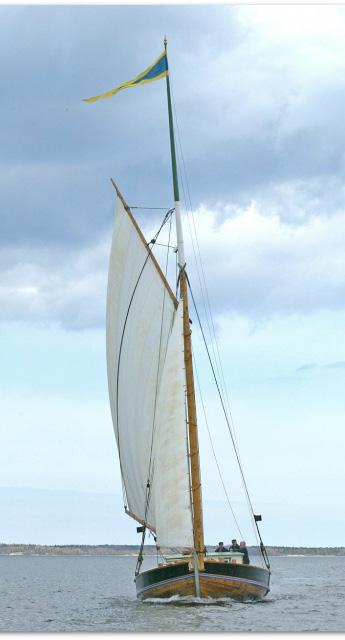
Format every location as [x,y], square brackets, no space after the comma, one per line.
[217,580]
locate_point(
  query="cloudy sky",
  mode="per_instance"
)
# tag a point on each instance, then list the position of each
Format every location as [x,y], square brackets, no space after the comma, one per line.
[259,94]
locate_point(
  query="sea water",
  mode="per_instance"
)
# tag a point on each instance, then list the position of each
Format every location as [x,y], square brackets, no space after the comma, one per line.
[89,593]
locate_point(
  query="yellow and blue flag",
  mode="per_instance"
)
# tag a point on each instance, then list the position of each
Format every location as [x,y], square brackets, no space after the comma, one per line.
[156,71]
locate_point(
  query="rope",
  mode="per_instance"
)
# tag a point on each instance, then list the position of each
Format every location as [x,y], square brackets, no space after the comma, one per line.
[149,480]
[214,453]
[201,278]
[262,547]
[148,208]
[150,469]
[168,214]
[159,244]
[212,333]
[140,555]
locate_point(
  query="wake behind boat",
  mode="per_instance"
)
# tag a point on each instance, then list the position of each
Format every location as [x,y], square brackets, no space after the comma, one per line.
[152,398]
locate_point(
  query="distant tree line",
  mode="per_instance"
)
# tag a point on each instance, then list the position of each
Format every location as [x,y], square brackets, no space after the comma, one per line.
[108,549]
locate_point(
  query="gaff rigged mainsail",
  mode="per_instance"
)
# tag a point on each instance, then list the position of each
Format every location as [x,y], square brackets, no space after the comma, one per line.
[146,382]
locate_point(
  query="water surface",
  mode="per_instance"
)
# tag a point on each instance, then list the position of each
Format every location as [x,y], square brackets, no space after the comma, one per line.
[81,593]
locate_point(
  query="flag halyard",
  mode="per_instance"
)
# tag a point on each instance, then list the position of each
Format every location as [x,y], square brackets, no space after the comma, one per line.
[157,70]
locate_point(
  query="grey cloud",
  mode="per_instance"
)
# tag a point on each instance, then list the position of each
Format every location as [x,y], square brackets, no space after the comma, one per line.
[339,364]
[255,265]
[57,152]
[254,130]
[52,286]
[259,265]
[307,367]
[243,115]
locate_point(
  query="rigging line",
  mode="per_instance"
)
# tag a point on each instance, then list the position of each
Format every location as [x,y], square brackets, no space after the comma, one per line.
[168,214]
[119,358]
[254,522]
[202,280]
[188,202]
[204,292]
[205,296]
[150,468]
[207,305]
[159,553]
[138,206]
[208,314]
[202,287]
[214,452]
[187,431]
[160,344]
[206,300]
[171,246]
[221,398]
[140,554]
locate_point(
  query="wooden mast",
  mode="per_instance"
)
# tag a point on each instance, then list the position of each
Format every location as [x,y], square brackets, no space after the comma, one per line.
[191,404]
[192,428]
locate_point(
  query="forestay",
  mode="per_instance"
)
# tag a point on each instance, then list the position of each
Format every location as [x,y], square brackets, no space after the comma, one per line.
[146,386]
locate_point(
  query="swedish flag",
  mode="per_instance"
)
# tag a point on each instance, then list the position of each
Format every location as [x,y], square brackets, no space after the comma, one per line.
[156,71]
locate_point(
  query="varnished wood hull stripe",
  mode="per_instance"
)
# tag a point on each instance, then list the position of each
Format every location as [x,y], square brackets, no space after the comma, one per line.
[163,582]
[217,576]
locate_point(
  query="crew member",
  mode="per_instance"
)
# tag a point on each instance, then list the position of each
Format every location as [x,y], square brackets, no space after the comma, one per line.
[234,545]
[244,550]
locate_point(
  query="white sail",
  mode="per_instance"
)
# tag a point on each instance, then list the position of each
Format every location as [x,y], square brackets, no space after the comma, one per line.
[171,481]
[140,315]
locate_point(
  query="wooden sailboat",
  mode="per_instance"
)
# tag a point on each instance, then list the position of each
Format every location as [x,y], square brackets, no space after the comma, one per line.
[152,398]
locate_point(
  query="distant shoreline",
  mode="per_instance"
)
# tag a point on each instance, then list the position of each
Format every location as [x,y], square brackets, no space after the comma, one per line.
[132,550]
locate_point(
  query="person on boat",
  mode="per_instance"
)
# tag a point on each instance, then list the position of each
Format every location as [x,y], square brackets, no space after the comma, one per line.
[221,548]
[234,545]
[244,550]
